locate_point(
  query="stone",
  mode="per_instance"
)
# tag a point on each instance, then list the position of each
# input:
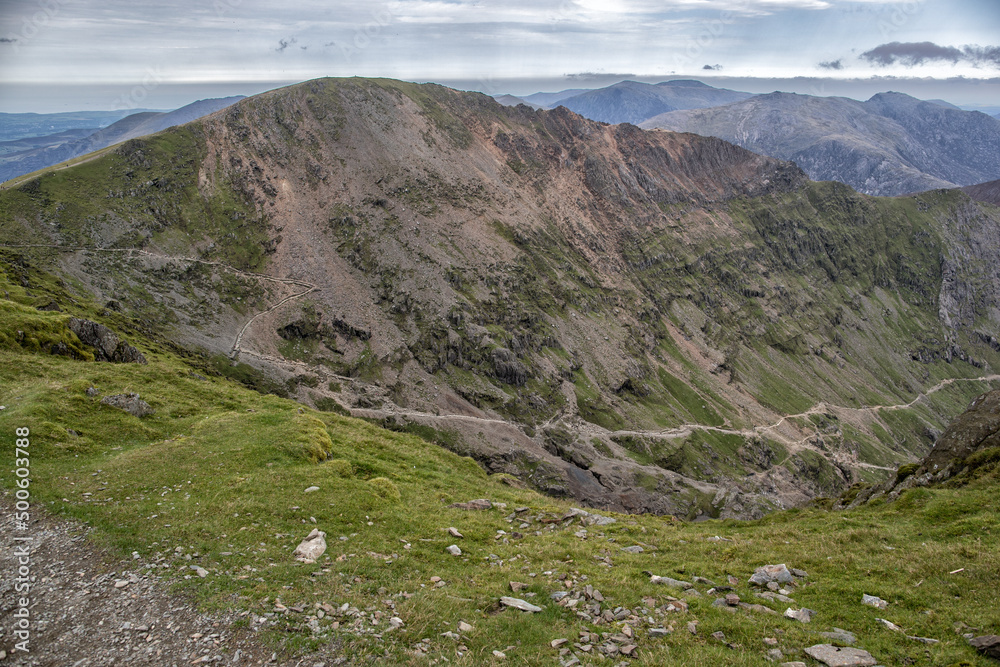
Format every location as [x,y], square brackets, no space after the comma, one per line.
[840,636]
[517,586]
[792,664]
[107,346]
[988,645]
[673,583]
[770,641]
[499,654]
[453,550]
[692,627]
[454,532]
[93,391]
[775,654]
[840,656]
[556,643]
[873,601]
[464,627]
[311,489]
[633,550]
[732,599]
[658,632]
[704,582]
[801,574]
[924,640]
[517,603]
[396,622]
[200,571]
[768,573]
[589,518]
[889,624]
[803,615]
[628,649]
[311,548]
[130,403]
[478,504]
[718,635]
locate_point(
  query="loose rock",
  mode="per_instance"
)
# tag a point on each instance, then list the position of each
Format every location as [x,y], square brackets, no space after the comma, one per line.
[517,603]
[837,656]
[768,573]
[478,504]
[804,615]
[454,550]
[987,645]
[311,548]
[873,601]
[130,403]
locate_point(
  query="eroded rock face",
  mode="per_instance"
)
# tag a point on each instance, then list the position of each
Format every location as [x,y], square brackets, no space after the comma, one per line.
[130,403]
[975,429]
[106,343]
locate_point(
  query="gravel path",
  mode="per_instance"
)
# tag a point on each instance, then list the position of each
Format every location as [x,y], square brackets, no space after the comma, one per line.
[88,609]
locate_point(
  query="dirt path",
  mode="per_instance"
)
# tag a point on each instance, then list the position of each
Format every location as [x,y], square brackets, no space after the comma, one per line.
[88,609]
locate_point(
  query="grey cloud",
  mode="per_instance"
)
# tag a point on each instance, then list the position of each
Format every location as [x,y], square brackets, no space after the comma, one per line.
[7,40]
[284,44]
[832,64]
[989,55]
[911,53]
[712,67]
[587,76]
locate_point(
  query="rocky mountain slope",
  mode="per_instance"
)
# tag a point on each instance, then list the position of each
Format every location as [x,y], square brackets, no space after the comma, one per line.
[131,126]
[646,321]
[890,145]
[988,193]
[635,102]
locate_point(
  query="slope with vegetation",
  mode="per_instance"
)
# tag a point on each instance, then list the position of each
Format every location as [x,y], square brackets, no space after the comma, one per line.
[215,488]
[642,321]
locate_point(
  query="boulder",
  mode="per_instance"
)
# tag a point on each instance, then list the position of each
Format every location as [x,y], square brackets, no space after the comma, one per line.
[988,645]
[130,403]
[840,656]
[311,548]
[768,573]
[107,346]
[975,429]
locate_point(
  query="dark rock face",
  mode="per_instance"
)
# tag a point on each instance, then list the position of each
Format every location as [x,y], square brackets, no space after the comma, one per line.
[107,345]
[975,429]
[130,403]
[988,645]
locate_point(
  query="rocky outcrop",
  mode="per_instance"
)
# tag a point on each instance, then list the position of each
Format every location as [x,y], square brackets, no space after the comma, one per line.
[130,403]
[107,345]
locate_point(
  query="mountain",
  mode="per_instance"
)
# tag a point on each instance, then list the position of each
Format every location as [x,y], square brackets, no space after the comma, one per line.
[988,192]
[643,321]
[46,141]
[634,102]
[892,144]
[511,101]
[550,100]
[15,126]
[129,127]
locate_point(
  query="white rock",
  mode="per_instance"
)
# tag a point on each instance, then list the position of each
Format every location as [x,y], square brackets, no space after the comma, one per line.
[311,548]
[454,550]
[804,615]
[454,532]
[311,489]
[464,627]
[518,603]
[889,624]
[396,622]
[873,601]
[200,571]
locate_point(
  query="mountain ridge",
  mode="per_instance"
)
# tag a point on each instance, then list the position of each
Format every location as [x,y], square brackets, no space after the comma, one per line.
[544,292]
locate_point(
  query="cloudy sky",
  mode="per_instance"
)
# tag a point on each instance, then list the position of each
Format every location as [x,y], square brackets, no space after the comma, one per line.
[99,54]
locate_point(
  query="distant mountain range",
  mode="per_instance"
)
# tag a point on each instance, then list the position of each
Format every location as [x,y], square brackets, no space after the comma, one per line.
[634,102]
[890,145]
[14,126]
[64,146]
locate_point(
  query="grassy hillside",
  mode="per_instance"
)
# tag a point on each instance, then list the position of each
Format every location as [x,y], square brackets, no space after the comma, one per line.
[219,474]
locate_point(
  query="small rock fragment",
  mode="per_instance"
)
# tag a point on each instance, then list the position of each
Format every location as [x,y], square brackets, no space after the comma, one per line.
[454,532]
[803,615]
[556,643]
[768,573]
[988,645]
[454,550]
[517,603]
[873,601]
[478,504]
[311,489]
[464,627]
[669,581]
[718,635]
[633,549]
[889,624]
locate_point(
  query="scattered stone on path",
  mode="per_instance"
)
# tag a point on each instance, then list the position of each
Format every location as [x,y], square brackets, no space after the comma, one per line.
[840,656]
[669,581]
[768,573]
[130,403]
[478,504]
[454,532]
[311,489]
[517,603]
[804,615]
[839,635]
[873,601]
[311,548]
[453,550]
[988,645]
